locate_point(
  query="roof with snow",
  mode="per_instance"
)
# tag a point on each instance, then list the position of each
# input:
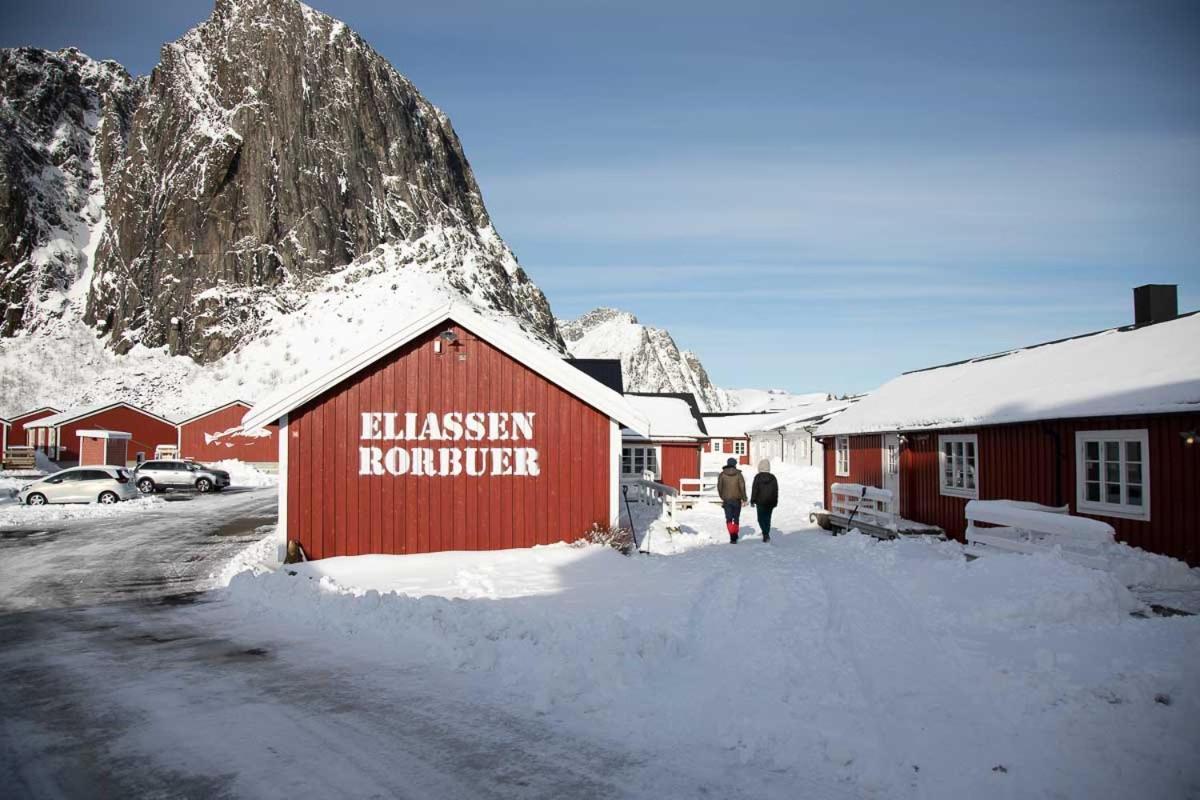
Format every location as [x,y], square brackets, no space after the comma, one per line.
[605,370]
[72,414]
[517,345]
[215,409]
[811,414]
[671,416]
[1150,369]
[731,426]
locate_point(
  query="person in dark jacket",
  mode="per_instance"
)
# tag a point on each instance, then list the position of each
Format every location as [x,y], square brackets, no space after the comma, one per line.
[764,496]
[731,488]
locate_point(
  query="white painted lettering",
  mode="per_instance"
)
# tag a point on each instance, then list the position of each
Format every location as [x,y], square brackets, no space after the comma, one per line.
[452,425]
[523,424]
[449,461]
[430,430]
[370,425]
[475,429]
[501,461]
[368,461]
[396,461]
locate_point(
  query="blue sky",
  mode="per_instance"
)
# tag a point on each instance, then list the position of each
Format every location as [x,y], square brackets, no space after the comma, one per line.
[811,196]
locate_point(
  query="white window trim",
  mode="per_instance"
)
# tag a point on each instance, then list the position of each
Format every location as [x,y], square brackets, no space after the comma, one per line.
[1122,510]
[954,491]
[632,446]
[841,444]
[717,445]
[740,449]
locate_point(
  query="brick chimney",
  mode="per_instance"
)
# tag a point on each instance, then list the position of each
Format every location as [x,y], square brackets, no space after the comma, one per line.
[1155,302]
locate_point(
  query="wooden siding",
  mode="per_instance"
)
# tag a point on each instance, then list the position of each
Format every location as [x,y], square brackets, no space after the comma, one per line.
[195,436]
[333,511]
[1018,462]
[147,431]
[95,451]
[679,461]
[866,463]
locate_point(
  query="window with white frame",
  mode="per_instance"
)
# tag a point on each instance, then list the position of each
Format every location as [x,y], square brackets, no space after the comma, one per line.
[892,459]
[842,453]
[1112,473]
[739,447]
[958,457]
[718,446]
[636,460]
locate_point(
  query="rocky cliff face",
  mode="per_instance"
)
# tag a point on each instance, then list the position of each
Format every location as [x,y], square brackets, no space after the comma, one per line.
[64,121]
[273,147]
[650,359]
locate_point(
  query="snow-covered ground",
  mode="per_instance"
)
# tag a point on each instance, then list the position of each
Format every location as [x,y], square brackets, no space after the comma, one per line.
[813,666]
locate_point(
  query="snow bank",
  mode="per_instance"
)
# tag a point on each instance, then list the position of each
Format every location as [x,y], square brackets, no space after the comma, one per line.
[243,474]
[17,514]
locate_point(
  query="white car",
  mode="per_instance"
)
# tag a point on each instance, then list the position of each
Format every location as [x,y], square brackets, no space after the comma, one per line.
[100,484]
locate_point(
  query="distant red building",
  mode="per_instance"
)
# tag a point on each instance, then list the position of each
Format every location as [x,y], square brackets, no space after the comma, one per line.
[58,434]
[729,433]
[103,447]
[18,435]
[671,448]
[1104,424]
[217,434]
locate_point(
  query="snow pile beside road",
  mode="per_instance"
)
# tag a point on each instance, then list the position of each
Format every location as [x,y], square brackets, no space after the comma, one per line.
[17,514]
[1158,579]
[243,474]
[258,558]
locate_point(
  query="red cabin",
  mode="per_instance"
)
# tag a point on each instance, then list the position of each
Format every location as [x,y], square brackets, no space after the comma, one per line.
[1103,423]
[217,434]
[456,433]
[19,435]
[58,434]
[5,426]
[729,433]
[98,448]
[671,447]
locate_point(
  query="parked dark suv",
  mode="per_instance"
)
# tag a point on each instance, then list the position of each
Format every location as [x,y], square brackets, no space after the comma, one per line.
[162,474]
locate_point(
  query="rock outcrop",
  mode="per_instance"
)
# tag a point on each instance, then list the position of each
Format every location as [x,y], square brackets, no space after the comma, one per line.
[650,359]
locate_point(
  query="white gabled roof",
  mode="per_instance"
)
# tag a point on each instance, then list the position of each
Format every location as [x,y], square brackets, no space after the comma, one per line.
[668,417]
[1148,370]
[34,411]
[203,414]
[546,363]
[794,416]
[70,415]
[731,426]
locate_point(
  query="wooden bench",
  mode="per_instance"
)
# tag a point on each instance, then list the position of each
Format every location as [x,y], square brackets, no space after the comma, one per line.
[1028,528]
[19,457]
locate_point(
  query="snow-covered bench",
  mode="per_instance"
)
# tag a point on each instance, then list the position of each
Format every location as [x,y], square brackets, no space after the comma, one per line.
[868,504]
[1026,528]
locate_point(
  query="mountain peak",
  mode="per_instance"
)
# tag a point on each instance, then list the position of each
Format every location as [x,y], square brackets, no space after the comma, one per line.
[650,359]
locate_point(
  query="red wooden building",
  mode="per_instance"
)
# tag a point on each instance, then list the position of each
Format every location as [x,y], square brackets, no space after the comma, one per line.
[58,434]
[1103,423]
[5,426]
[671,448]
[18,435]
[104,447]
[217,434]
[456,433]
[729,433]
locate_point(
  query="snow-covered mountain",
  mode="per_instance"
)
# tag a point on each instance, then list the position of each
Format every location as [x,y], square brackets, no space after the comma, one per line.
[650,359]
[751,400]
[273,196]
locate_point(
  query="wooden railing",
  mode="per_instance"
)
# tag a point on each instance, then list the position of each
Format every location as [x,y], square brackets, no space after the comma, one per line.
[647,491]
[867,504]
[1029,528]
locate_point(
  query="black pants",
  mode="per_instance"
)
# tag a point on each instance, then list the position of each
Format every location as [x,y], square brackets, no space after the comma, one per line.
[764,518]
[733,511]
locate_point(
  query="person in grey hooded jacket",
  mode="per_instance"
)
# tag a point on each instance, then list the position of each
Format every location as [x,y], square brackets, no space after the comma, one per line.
[764,496]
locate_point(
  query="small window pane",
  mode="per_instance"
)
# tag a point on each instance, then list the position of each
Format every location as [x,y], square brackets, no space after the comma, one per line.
[1093,492]
[1112,493]
[1135,495]
[1093,470]
[1093,451]
[1112,451]
[1112,472]
[1133,451]
[1133,473]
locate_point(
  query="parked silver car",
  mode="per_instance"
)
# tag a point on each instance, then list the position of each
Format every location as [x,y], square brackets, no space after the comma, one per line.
[100,484]
[171,473]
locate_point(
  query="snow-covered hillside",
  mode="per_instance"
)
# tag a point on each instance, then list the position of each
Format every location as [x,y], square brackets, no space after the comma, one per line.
[755,400]
[286,198]
[650,359]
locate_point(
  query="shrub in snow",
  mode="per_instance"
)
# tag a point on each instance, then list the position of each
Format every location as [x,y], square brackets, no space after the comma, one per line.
[619,539]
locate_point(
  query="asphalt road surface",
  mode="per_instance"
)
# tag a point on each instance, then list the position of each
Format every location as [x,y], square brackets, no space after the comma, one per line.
[119,679]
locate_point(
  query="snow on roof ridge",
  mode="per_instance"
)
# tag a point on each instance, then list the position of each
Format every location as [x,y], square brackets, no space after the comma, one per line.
[1129,370]
[519,345]
[83,411]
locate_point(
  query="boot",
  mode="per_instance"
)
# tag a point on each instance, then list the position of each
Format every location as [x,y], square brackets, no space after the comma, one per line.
[733,538]
[766,538]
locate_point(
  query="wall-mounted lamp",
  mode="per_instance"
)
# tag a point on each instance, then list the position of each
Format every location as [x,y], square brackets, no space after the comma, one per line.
[444,339]
[1189,437]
